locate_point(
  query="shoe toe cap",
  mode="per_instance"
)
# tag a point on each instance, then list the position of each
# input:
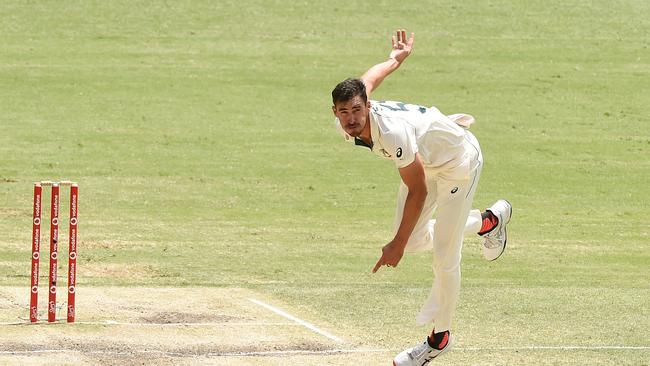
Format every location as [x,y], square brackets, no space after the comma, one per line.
[402,359]
[492,253]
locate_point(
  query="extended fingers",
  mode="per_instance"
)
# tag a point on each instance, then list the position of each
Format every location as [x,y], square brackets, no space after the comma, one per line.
[400,41]
[380,263]
[411,40]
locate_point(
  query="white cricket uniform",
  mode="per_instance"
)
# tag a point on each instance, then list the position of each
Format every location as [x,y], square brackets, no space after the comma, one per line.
[453,161]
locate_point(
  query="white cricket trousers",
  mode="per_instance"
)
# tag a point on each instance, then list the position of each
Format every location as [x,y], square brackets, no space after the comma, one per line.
[450,194]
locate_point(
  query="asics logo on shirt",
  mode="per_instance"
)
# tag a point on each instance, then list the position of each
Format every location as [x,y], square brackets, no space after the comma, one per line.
[398,153]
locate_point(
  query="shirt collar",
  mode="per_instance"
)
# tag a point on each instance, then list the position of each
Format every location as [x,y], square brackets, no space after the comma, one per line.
[374,126]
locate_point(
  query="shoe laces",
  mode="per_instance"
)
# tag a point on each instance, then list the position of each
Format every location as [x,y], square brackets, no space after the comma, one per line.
[494,239]
[420,352]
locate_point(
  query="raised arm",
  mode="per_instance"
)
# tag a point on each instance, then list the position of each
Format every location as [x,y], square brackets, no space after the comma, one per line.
[401,50]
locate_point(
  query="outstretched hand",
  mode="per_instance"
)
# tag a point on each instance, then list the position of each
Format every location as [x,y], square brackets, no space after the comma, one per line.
[391,254]
[401,46]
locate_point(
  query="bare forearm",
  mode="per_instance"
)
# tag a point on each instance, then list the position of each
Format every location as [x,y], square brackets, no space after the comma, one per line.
[412,210]
[376,74]
[400,51]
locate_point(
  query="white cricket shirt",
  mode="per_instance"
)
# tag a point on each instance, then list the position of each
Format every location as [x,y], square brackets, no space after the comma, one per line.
[400,130]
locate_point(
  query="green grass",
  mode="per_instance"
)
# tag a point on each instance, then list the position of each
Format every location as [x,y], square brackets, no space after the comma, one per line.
[201,135]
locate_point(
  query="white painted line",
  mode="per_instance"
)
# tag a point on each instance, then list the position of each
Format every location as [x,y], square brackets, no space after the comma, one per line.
[209,354]
[116,323]
[295,352]
[299,321]
[211,324]
[314,352]
[557,348]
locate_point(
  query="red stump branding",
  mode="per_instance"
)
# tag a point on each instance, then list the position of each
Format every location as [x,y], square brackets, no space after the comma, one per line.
[36,248]
[72,260]
[54,249]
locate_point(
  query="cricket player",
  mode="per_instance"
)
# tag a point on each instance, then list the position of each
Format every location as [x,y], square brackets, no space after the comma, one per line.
[439,162]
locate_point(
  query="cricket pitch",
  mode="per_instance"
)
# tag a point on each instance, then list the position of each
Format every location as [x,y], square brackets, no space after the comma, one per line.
[170,326]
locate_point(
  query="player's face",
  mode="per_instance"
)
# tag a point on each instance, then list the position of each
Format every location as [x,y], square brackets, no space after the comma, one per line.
[353,115]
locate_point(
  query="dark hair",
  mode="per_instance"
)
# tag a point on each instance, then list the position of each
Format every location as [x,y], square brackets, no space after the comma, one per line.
[348,89]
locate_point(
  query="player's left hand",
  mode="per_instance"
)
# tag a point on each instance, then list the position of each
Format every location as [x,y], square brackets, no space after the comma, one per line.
[391,254]
[402,47]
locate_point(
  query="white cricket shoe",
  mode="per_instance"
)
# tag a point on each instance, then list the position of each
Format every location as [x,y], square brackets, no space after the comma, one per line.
[420,355]
[495,240]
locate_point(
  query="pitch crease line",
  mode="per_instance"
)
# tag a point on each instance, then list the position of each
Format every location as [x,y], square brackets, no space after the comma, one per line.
[171,325]
[208,354]
[314,352]
[558,348]
[307,325]
[210,324]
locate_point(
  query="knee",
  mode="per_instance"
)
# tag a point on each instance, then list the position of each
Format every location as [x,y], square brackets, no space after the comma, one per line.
[446,269]
[418,245]
[421,239]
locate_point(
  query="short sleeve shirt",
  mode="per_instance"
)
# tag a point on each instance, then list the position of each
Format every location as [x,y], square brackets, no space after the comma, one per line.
[400,130]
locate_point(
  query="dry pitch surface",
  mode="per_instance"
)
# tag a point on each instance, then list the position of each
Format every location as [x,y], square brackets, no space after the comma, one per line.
[172,326]
[217,326]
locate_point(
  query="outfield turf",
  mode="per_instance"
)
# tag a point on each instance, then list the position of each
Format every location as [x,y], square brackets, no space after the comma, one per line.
[202,138]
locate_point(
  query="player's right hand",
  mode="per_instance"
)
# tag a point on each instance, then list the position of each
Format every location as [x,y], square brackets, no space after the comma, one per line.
[391,254]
